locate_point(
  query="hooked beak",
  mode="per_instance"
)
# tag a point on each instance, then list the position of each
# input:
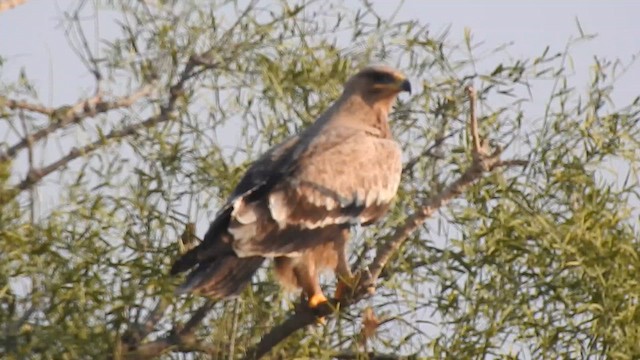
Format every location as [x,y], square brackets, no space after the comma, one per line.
[405,85]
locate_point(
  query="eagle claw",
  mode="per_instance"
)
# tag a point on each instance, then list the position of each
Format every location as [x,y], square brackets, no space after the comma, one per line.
[316,303]
[316,300]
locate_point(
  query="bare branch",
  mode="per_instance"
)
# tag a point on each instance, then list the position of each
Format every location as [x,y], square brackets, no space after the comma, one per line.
[196,318]
[35,175]
[193,67]
[67,115]
[23,105]
[179,339]
[175,343]
[300,319]
[482,162]
[137,332]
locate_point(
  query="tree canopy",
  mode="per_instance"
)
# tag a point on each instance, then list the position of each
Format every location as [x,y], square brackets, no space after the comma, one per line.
[519,243]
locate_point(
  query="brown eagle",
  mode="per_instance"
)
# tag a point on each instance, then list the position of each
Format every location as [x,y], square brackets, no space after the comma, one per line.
[297,202]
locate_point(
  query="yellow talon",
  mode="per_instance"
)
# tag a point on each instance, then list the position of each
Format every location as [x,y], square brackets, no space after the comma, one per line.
[316,300]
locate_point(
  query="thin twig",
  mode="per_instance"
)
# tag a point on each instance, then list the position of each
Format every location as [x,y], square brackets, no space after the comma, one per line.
[29,140]
[408,167]
[23,105]
[234,329]
[83,50]
[473,119]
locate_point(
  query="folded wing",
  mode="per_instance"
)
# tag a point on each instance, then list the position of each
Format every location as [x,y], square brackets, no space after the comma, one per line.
[344,176]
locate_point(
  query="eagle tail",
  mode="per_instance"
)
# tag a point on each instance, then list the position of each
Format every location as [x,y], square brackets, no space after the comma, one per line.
[221,277]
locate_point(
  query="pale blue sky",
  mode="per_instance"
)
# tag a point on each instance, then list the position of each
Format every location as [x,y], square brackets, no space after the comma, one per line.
[30,36]
[529,26]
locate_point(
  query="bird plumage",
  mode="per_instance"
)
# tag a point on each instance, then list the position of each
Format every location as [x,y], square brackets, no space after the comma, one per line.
[297,202]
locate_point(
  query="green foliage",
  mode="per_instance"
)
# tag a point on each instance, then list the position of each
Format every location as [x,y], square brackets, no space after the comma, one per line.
[540,262]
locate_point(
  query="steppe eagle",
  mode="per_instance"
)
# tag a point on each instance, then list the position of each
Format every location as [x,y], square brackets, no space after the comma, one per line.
[297,202]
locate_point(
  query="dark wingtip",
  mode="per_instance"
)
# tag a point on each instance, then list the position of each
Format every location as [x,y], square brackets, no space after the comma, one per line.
[184,263]
[221,278]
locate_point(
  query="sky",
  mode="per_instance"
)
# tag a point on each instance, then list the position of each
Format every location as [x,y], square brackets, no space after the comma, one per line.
[31,36]
[530,26]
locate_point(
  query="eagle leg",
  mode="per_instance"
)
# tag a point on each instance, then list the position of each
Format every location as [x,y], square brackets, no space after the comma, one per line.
[344,286]
[346,280]
[307,278]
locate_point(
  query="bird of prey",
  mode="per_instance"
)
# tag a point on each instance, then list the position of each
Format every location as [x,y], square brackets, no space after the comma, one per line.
[297,202]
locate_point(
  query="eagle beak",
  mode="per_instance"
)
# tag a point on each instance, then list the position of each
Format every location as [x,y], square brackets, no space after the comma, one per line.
[403,85]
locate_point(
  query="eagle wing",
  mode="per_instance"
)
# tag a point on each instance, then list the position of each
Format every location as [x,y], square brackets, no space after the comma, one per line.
[343,176]
[254,184]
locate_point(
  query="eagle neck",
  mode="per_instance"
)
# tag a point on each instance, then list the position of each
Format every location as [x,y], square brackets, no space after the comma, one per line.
[354,111]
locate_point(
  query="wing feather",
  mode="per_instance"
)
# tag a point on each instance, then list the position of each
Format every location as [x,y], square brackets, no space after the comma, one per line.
[342,177]
[343,173]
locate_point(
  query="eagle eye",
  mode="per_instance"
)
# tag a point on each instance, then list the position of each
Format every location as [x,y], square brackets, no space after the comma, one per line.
[382,78]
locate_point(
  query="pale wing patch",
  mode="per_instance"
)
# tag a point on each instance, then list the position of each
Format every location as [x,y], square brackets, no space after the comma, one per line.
[242,233]
[242,212]
[342,178]
[279,208]
[245,218]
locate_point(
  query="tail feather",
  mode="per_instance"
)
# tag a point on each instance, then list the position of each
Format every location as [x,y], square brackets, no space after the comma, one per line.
[185,262]
[207,250]
[221,277]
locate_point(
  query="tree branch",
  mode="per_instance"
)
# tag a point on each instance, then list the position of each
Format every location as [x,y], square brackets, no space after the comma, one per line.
[180,338]
[23,105]
[63,116]
[482,162]
[175,91]
[35,175]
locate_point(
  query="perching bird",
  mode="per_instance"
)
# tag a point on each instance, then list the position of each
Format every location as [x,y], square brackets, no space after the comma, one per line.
[297,202]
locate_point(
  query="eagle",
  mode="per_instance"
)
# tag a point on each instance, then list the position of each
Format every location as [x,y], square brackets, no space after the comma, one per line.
[297,203]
